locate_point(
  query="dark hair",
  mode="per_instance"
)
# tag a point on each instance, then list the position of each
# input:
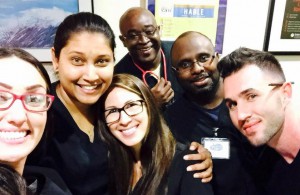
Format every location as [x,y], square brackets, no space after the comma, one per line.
[156,152]
[11,182]
[24,55]
[79,22]
[242,57]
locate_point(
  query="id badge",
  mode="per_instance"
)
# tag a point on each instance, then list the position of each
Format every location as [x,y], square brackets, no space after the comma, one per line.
[218,147]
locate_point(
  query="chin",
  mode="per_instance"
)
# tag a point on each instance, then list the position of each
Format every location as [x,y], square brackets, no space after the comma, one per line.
[89,101]
[256,142]
[13,158]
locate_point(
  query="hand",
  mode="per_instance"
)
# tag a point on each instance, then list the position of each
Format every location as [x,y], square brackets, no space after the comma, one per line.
[205,166]
[162,91]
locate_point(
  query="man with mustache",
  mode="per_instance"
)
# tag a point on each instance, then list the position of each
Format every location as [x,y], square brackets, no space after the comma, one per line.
[148,57]
[262,107]
[201,114]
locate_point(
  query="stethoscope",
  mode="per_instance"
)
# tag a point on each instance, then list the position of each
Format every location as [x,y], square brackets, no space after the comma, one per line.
[144,73]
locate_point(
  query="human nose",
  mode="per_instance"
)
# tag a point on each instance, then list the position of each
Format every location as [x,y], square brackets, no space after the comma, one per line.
[124,118]
[197,66]
[143,37]
[243,112]
[17,112]
[91,73]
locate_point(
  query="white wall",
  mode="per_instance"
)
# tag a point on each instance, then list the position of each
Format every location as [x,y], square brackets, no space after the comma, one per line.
[245,26]
[111,11]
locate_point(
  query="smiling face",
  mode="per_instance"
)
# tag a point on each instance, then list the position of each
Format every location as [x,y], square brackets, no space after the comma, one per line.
[20,130]
[199,79]
[145,50]
[130,130]
[85,67]
[256,108]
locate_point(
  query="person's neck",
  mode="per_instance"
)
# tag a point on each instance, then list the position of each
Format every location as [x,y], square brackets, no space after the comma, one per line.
[137,173]
[287,141]
[209,100]
[18,166]
[82,114]
[137,165]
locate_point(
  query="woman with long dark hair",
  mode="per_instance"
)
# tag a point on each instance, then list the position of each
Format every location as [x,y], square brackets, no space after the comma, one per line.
[143,155]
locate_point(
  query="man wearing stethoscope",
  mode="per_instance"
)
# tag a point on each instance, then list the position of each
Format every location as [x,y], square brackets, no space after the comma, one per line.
[148,57]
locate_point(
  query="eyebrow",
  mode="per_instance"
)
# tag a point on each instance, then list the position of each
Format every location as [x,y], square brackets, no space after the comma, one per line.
[35,87]
[188,59]
[228,100]
[246,91]
[112,107]
[105,55]
[27,88]
[145,27]
[129,101]
[240,94]
[5,85]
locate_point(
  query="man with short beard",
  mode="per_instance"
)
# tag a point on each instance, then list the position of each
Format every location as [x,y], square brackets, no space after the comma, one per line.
[262,107]
[201,115]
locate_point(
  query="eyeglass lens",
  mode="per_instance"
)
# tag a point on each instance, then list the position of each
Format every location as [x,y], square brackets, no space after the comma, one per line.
[131,109]
[31,102]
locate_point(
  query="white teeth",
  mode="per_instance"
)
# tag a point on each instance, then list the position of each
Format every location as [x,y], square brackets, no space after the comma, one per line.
[12,134]
[146,49]
[90,87]
[128,131]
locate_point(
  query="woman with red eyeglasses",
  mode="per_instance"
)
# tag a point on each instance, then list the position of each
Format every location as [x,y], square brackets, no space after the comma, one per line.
[24,101]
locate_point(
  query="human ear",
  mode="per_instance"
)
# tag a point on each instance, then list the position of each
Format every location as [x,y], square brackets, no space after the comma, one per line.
[54,60]
[121,37]
[158,28]
[217,55]
[287,91]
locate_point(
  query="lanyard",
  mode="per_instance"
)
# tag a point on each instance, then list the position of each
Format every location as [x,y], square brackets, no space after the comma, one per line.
[145,72]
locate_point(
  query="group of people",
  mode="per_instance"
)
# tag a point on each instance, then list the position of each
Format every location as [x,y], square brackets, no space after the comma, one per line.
[135,127]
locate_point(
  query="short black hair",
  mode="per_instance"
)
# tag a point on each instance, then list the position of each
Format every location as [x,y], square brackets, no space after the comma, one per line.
[243,56]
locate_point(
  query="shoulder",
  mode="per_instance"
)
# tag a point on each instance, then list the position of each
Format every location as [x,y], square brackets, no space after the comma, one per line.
[167,45]
[122,65]
[181,110]
[48,180]
[181,181]
[178,105]
[181,151]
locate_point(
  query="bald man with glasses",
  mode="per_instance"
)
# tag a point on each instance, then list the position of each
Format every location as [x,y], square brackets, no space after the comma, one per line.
[148,57]
[201,115]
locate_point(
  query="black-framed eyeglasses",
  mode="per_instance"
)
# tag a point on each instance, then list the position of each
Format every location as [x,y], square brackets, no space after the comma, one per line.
[32,102]
[135,35]
[131,109]
[203,60]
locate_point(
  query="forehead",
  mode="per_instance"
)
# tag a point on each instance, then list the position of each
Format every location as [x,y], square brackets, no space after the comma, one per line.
[191,45]
[119,96]
[137,20]
[249,77]
[80,42]
[19,73]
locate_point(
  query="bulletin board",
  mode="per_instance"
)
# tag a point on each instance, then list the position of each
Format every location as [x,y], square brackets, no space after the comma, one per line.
[178,16]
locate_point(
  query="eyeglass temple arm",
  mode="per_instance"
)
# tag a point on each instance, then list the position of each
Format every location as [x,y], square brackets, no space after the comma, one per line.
[279,84]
